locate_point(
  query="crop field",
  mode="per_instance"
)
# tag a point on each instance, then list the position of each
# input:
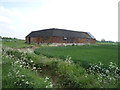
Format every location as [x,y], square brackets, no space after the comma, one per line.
[56,67]
[84,54]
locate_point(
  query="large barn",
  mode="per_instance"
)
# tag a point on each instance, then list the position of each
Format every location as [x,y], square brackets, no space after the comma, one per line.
[55,35]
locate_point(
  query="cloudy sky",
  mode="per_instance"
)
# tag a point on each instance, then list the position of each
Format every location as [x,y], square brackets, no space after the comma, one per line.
[99,17]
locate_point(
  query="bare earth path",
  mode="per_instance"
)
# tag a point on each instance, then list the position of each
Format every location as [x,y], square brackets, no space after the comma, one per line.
[27,49]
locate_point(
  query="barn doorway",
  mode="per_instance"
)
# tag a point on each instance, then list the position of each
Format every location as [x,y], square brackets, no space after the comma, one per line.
[29,39]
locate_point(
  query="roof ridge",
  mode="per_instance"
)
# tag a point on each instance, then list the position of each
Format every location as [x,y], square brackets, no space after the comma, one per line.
[60,32]
[58,29]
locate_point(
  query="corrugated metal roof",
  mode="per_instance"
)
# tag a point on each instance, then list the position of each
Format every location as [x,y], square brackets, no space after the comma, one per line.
[60,33]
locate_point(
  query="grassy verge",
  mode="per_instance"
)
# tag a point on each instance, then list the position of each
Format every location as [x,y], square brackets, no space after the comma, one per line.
[17,73]
[69,75]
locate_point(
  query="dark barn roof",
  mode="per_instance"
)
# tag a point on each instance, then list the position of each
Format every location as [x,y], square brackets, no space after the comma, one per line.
[60,33]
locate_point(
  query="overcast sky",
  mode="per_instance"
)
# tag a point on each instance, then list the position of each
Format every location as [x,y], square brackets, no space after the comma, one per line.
[99,17]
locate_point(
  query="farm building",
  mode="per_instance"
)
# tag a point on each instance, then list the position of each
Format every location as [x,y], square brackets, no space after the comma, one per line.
[54,35]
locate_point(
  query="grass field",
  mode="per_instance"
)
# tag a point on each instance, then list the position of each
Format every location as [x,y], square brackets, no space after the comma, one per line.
[85,54]
[16,43]
[25,69]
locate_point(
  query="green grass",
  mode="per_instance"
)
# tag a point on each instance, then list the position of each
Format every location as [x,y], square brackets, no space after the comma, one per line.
[14,76]
[15,43]
[68,74]
[107,43]
[62,73]
[84,54]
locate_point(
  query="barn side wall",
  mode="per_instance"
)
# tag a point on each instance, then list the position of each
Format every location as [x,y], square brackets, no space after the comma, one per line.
[59,40]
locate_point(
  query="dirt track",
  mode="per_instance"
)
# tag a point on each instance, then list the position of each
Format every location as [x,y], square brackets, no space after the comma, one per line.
[27,49]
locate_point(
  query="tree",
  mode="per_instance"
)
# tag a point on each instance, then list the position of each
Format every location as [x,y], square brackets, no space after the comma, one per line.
[103,40]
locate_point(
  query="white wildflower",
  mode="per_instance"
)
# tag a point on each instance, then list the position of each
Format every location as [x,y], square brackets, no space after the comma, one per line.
[17,62]
[17,72]
[34,68]
[46,86]
[24,62]
[110,78]
[85,75]
[45,81]
[46,78]
[51,85]
[107,71]
[23,80]
[15,82]
[111,63]
[20,65]
[117,68]
[27,82]
[31,61]
[23,75]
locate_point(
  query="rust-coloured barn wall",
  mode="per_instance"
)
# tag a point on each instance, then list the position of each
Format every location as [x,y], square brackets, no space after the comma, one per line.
[59,40]
[36,39]
[86,40]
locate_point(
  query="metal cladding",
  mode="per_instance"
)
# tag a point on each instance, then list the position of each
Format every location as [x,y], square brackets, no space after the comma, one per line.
[60,33]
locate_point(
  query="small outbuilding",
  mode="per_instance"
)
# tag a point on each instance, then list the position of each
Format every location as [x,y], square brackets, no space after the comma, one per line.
[55,35]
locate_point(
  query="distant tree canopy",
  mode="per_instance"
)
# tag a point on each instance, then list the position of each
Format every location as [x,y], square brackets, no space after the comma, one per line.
[103,40]
[8,38]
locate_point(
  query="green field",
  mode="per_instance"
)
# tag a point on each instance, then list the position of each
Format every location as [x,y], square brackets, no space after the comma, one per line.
[22,68]
[85,54]
[16,43]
